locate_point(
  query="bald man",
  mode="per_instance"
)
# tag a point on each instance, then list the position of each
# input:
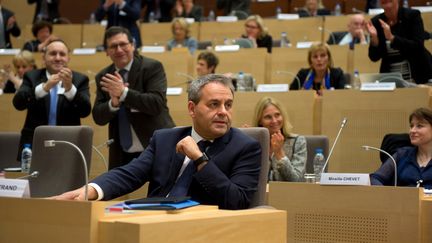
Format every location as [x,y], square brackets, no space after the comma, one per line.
[356,32]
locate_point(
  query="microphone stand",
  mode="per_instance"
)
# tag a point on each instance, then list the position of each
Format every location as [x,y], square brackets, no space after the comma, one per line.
[367,148]
[52,143]
[292,74]
[344,121]
[96,148]
[330,34]
[34,174]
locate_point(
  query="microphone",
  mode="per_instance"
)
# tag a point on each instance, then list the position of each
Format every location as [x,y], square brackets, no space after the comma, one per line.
[96,148]
[190,78]
[355,10]
[389,155]
[239,13]
[344,121]
[52,143]
[279,72]
[34,174]
[330,33]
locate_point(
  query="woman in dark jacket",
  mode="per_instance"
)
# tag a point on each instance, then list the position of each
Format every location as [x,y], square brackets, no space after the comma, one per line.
[256,31]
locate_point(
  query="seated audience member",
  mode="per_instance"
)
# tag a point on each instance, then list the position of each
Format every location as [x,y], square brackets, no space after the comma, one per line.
[10,27]
[22,62]
[321,74]
[356,32]
[257,32]
[187,9]
[288,151]
[181,36]
[397,39]
[313,8]
[239,8]
[211,162]
[206,63]
[42,31]
[414,166]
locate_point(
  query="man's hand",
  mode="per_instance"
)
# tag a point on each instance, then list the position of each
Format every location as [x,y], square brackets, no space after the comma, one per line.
[373,33]
[113,84]
[10,22]
[387,31]
[65,76]
[189,148]
[78,194]
[276,144]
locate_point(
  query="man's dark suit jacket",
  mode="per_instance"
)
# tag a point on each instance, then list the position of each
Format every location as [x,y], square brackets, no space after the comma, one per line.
[68,112]
[320,12]
[53,10]
[336,37]
[165,7]
[229,179]
[117,18]
[409,40]
[146,104]
[234,5]
[15,30]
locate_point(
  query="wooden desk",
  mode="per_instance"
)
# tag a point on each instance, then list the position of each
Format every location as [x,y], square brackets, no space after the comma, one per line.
[370,115]
[298,30]
[352,213]
[92,35]
[217,31]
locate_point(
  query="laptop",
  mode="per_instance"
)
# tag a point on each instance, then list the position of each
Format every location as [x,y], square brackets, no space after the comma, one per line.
[385,78]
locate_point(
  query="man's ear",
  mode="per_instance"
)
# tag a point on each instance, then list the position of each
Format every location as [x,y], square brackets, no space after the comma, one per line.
[191,108]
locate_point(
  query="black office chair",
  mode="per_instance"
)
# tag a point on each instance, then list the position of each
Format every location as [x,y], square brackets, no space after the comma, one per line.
[313,142]
[9,143]
[60,167]
[392,142]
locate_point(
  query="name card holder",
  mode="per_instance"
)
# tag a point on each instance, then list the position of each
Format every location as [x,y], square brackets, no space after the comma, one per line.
[174,91]
[284,16]
[10,52]
[345,179]
[14,188]
[272,88]
[226,19]
[152,49]
[84,51]
[391,86]
[226,48]
[304,44]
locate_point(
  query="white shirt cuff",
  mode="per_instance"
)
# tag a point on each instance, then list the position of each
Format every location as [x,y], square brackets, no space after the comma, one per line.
[98,190]
[71,93]
[111,107]
[39,91]
[123,95]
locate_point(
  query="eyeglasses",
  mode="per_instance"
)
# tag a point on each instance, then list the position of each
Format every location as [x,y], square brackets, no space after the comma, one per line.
[123,46]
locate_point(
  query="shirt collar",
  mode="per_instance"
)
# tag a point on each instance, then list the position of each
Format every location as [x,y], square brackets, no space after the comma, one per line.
[196,137]
[127,67]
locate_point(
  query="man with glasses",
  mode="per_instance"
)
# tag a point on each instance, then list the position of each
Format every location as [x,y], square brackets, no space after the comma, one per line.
[130,96]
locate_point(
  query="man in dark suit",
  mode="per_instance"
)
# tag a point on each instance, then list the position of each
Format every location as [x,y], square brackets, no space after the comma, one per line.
[159,9]
[47,10]
[124,13]
[134,104]
[8,26]
[356,32]
[224,174]
[54,95]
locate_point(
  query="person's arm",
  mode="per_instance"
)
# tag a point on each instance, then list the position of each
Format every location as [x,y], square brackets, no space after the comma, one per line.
[12,26]
[101,110]
[25,95]
[414,41]
[286,169]
[298,80]
[81,100]
[132,9]
[376,50]
[338,77]
[100,11]
[385,174]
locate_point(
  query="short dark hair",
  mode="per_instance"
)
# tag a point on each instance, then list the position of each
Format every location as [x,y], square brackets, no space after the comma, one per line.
[422,113]
[40,25]
[211,59]
[194,91]
[115,30]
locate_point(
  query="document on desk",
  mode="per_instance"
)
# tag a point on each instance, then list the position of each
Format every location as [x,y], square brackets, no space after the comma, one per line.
[158,203]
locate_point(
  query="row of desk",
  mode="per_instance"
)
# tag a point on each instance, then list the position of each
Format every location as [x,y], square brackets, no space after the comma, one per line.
[370,115]
[303,213]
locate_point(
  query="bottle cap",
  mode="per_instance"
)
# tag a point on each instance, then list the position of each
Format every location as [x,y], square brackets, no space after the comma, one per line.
[318,150]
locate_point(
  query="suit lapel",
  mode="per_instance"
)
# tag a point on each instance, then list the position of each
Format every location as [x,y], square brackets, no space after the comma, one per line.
[134,72]
[219,144]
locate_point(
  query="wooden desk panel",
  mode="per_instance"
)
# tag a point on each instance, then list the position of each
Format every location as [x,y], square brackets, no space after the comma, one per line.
[217,32]
[303,29]
[92,35]
[71,34]
[362,62]
[370,115]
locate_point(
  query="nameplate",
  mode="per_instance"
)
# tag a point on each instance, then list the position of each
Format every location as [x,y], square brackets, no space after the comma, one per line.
[190,20]
[14,188]
[375,11]
[345,179]
[152,49]
[84,51]
[423,9]
[222,48]
[9,51]
[283,16]
[226,19]
[272,88]
[174,91]
[304,44]
[378,86]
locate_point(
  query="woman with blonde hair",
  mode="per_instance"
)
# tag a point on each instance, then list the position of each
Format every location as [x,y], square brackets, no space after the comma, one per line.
[321,74]
[22,62]
[257,32]
[288,151]
[181,36]
[313,8]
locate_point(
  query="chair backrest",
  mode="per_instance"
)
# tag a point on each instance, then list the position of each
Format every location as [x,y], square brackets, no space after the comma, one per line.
[9,143]
[60,167]
[261,134]
[392,142]
[243,43]
[314,142]
[203,45]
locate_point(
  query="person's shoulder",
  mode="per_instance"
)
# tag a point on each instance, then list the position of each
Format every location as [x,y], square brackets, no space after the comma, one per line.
[410,13]
[78,75]
[238,135]
[174,132]
[336,70]
[146,60]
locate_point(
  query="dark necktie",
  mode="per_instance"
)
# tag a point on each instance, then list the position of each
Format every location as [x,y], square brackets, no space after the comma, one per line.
[52,117]
[124,125]
[181,187]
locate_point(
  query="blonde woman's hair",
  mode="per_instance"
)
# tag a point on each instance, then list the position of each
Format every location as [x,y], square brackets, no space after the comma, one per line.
[320,4]
[265,102]
[260,23]
[320,47]
[183,23]
[24,57]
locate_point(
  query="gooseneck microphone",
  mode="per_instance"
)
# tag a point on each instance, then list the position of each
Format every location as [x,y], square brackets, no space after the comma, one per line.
[367,148]
[279,72]
[190,77]
[96,148]
[329,32]
[34,174]
[344,121]
[52,143]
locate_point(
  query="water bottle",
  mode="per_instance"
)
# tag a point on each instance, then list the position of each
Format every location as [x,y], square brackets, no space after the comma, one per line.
[26,156]
[241,85]
[356,82]
[211,16]
[151,18]
[337,10]
[278,11]
[92,19]
[284,42]
[405,4]
[318,163]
